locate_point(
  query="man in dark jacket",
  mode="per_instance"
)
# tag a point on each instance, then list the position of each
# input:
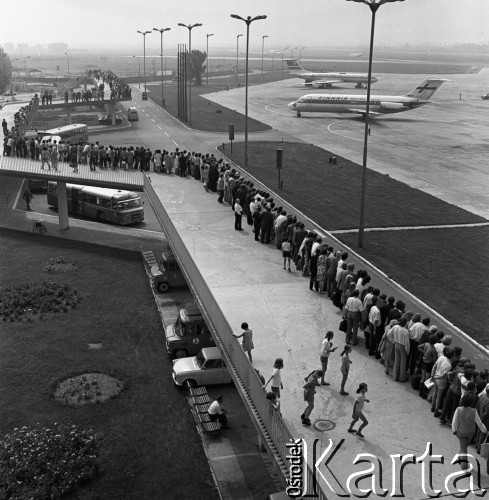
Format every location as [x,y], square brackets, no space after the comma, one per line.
[266,224]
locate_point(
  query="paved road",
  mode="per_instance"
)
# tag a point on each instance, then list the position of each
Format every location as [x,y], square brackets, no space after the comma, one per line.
[440,148]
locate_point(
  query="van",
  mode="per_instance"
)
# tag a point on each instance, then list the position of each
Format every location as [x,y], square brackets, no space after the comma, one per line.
[144,96]
[188,335]
[167,273]
[132,114]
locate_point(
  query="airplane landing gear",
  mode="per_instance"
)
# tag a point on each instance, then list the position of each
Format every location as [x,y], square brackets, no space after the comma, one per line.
[359,86]
[298,114]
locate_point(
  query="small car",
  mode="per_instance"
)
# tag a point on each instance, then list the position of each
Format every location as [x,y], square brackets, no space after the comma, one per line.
[144,96]
[9,93]
[107,120]
[485,97]
[207,368]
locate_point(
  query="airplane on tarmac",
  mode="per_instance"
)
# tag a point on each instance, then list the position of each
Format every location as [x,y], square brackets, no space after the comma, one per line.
[323,80]
[357,103]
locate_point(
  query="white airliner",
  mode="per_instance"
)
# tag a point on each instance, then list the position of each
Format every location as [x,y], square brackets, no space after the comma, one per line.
[323,80]
[356,103]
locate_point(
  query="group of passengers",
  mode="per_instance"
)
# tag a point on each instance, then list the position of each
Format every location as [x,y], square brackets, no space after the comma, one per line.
[404,342]
[118,88]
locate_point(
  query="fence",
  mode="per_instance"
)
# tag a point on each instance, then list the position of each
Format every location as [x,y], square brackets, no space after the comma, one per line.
[274,432]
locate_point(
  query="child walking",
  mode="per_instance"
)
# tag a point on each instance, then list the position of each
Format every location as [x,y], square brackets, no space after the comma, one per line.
[358,410]
[286,251]
[345,368]
[276,377]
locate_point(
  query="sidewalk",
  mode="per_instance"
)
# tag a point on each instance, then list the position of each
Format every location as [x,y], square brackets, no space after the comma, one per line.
[290,321]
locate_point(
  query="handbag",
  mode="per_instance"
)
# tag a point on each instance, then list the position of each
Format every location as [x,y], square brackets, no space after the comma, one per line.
[342,327]
[485,448]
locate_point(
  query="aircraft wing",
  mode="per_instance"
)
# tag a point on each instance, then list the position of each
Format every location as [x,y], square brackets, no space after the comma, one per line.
[325,82]
[362,112]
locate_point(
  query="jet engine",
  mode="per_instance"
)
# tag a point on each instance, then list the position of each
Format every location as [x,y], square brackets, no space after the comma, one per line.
[391,107]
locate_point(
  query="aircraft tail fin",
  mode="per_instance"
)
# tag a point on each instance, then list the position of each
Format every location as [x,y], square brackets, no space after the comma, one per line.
[293,66]
[426,88]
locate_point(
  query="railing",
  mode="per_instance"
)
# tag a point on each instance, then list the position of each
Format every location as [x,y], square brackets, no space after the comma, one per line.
[273,429]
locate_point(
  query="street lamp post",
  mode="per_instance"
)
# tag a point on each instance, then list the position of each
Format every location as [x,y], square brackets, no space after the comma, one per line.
[68,63]
[208,59]
[189,27]
[162,30]
[374,7]
[300,53]
[25,69]
[144,33]
[262,48]
[283,50]
[237,57]
[248,21]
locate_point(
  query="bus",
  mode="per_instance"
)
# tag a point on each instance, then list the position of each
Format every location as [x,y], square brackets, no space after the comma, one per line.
[73,133]
[103,204]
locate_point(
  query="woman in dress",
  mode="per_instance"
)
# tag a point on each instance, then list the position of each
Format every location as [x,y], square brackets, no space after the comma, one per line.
[322,270]
[247,341]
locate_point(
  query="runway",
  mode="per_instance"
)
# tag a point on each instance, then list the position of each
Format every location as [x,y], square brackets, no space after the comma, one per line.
[440,148]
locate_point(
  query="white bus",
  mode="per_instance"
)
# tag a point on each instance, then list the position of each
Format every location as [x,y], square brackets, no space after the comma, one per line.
[73,133]
[105,205]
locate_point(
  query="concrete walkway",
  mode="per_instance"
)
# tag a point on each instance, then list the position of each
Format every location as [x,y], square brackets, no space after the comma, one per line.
[290,321]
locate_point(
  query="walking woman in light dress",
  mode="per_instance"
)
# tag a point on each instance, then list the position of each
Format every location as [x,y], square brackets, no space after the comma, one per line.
[247,341]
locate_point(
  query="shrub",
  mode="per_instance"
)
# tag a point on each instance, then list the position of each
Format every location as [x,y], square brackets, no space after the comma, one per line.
[40,462]
[27,301]
[59,265]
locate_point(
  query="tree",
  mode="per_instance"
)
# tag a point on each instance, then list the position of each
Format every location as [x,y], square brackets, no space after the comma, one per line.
[196,66]
[5,70]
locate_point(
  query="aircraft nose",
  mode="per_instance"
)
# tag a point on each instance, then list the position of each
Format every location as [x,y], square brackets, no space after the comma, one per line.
[292,105]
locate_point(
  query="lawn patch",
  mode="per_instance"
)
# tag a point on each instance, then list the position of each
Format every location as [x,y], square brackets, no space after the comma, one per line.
[329,193]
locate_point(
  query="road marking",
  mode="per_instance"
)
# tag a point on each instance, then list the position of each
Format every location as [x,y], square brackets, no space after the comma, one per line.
[175,144]
[166,133]
[153,120]
[343,135]
[409,228]
[158,127]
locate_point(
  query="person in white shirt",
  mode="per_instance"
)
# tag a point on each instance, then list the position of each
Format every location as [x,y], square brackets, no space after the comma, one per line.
[439,375]
[238,215]
[216,412]
[353,314]
[326,349]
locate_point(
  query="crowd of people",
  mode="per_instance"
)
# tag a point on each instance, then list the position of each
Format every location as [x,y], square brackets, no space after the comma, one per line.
[118,88]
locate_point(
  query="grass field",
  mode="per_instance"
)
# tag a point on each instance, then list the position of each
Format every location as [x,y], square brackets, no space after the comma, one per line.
[436,265]
[150,447]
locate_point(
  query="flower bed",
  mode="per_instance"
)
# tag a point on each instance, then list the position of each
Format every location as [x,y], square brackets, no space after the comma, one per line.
[88,388]
[28,301]
[40,462]
[60,265]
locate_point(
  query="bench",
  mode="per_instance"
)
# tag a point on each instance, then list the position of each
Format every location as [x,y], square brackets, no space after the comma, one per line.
[199,402]
[149,258]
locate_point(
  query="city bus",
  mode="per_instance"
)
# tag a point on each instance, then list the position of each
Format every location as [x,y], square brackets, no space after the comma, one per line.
[73,133]
[105,205]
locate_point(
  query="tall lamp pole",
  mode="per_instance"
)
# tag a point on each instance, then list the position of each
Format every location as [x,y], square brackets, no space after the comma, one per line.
[283,50]
[237,57]
[262,48]
[189,27]
[248,21]
[300,53]
[144,33]
[68,63]
[374,7]
[208,59]
[162,30]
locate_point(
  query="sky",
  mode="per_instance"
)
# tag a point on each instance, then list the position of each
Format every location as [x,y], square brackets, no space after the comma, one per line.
[113,24]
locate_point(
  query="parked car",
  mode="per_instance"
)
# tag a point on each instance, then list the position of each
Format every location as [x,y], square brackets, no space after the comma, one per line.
[167,273]
[107,120]
[485,97]
[9,93]
[188,334]
[207,368]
